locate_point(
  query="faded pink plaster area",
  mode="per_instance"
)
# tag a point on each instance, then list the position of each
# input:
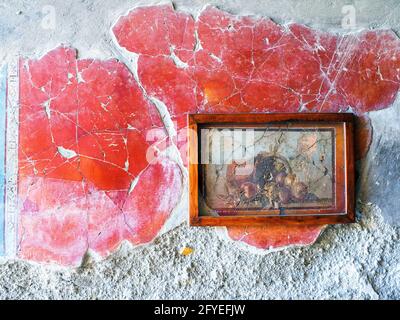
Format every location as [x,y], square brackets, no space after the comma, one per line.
[83,121]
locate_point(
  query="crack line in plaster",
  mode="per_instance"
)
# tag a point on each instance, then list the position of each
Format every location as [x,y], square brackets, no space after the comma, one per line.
[130,60]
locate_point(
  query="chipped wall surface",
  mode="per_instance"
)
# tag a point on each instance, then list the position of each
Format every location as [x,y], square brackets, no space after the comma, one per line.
[97,77]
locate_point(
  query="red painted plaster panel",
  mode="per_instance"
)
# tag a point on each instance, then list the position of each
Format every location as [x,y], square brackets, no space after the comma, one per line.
[157,30]
[86,125]
[82,158]
[245,64]
[149,205]
[248,64]
[272,237]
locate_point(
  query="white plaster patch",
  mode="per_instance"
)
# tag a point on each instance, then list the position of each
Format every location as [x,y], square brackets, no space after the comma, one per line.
[66,153]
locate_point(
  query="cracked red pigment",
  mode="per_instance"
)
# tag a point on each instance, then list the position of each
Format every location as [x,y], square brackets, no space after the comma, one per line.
[84,181]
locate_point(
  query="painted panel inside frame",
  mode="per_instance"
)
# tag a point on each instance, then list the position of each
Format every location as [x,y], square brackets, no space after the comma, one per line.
[269,169]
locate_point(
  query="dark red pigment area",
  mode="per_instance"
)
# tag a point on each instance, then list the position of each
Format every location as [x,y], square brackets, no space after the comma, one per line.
[245,64]
[84,180]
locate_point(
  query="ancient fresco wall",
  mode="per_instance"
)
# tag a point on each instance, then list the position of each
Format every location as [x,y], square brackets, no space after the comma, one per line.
[88,124]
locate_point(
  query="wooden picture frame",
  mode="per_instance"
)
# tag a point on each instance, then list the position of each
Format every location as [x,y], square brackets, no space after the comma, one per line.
[329,136]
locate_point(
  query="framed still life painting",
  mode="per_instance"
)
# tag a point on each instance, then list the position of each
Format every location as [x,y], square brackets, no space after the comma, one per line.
[252,169]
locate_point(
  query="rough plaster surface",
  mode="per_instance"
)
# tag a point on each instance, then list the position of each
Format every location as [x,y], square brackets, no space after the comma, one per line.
[357,261]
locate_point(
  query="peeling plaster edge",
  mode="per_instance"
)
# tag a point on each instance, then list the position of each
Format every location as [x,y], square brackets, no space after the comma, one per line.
[130,60]
[196,10]
[284,24]
[222,233]
[383,132]
[195,13]
[178,214]
[170,3]
[79,56]
[89,256]
[373,211]
[380,112]
[43,53]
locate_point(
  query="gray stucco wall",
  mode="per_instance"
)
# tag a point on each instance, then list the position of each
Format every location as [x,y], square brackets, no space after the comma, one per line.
[360,261]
